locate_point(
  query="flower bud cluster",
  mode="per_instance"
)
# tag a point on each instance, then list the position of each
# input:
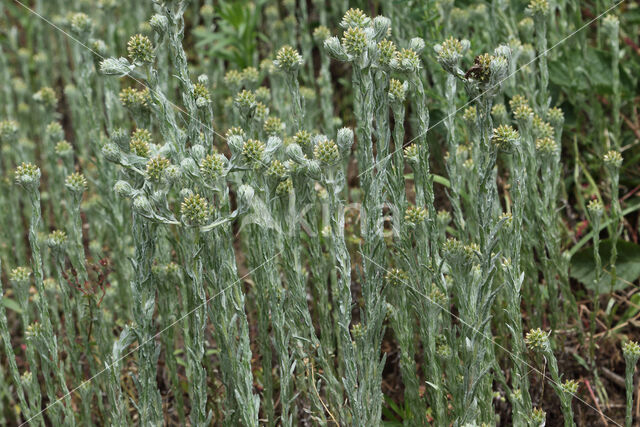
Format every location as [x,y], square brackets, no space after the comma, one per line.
[288,60]
[326,151]
[140,49]
[537,340]
[195,210]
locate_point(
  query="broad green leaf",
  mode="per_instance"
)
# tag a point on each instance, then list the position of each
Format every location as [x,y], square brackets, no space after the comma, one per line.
[11,304]
[627,266]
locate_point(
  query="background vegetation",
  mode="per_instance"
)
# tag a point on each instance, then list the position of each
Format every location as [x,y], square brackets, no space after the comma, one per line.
[319,212]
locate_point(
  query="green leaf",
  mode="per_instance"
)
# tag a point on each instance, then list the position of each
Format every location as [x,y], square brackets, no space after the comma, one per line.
[632,310]
[392,411]
[11,304]
[627,266]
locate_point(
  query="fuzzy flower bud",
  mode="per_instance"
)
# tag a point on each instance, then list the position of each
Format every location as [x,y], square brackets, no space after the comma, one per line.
[541,129]
[33,331]
[207,11]
[9,131]
[612,160]
[523,113]
[250,76]
[76,183]
[63,149]
[387,52]
[538,340]
[285,187]
[443,218]
[381,27]
[450,53]
[111,152]
[470,115]
[415,215]
[481,70]
[28,176]
[159,23]
[19,276]
[407,60]
[326,151]
[398,91]
[595,209]
[245,101]
[212,166]
[277,169]
[263,94]
[46,97]
[538,417]
[354,41]
[235,131]
[233,78]
[344,139]
[57,239]
[201,94]
[288,60]
[303,139]
[417,45]
[354,18]
[81,24]
[611,25]
[54,131]
[195,210]
[411,153]
[142,205]
[555,117]
[335,49]
[456,252]
[504,137]
[139,144]
[156,168]
[437,297]
[526,27]
[538,7]
[273,126]
[134,99]
[140,49]
[252,151]
[570,387]
[396,277]
[320,34]
[123,188]
[631,352]
[547,147]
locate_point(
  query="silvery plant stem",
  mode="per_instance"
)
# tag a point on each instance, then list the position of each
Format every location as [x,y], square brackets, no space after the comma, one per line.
[85,304]
[514,278]
[368,396]
[305,342]
[455,175]
[11,359]
[264,342]
[227,311]
[49,354]
[119,409]
[334,183]
[169,308]
[197,321]
[630,367]
[326,92]
[143,292]
[75,349]
[541,49]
